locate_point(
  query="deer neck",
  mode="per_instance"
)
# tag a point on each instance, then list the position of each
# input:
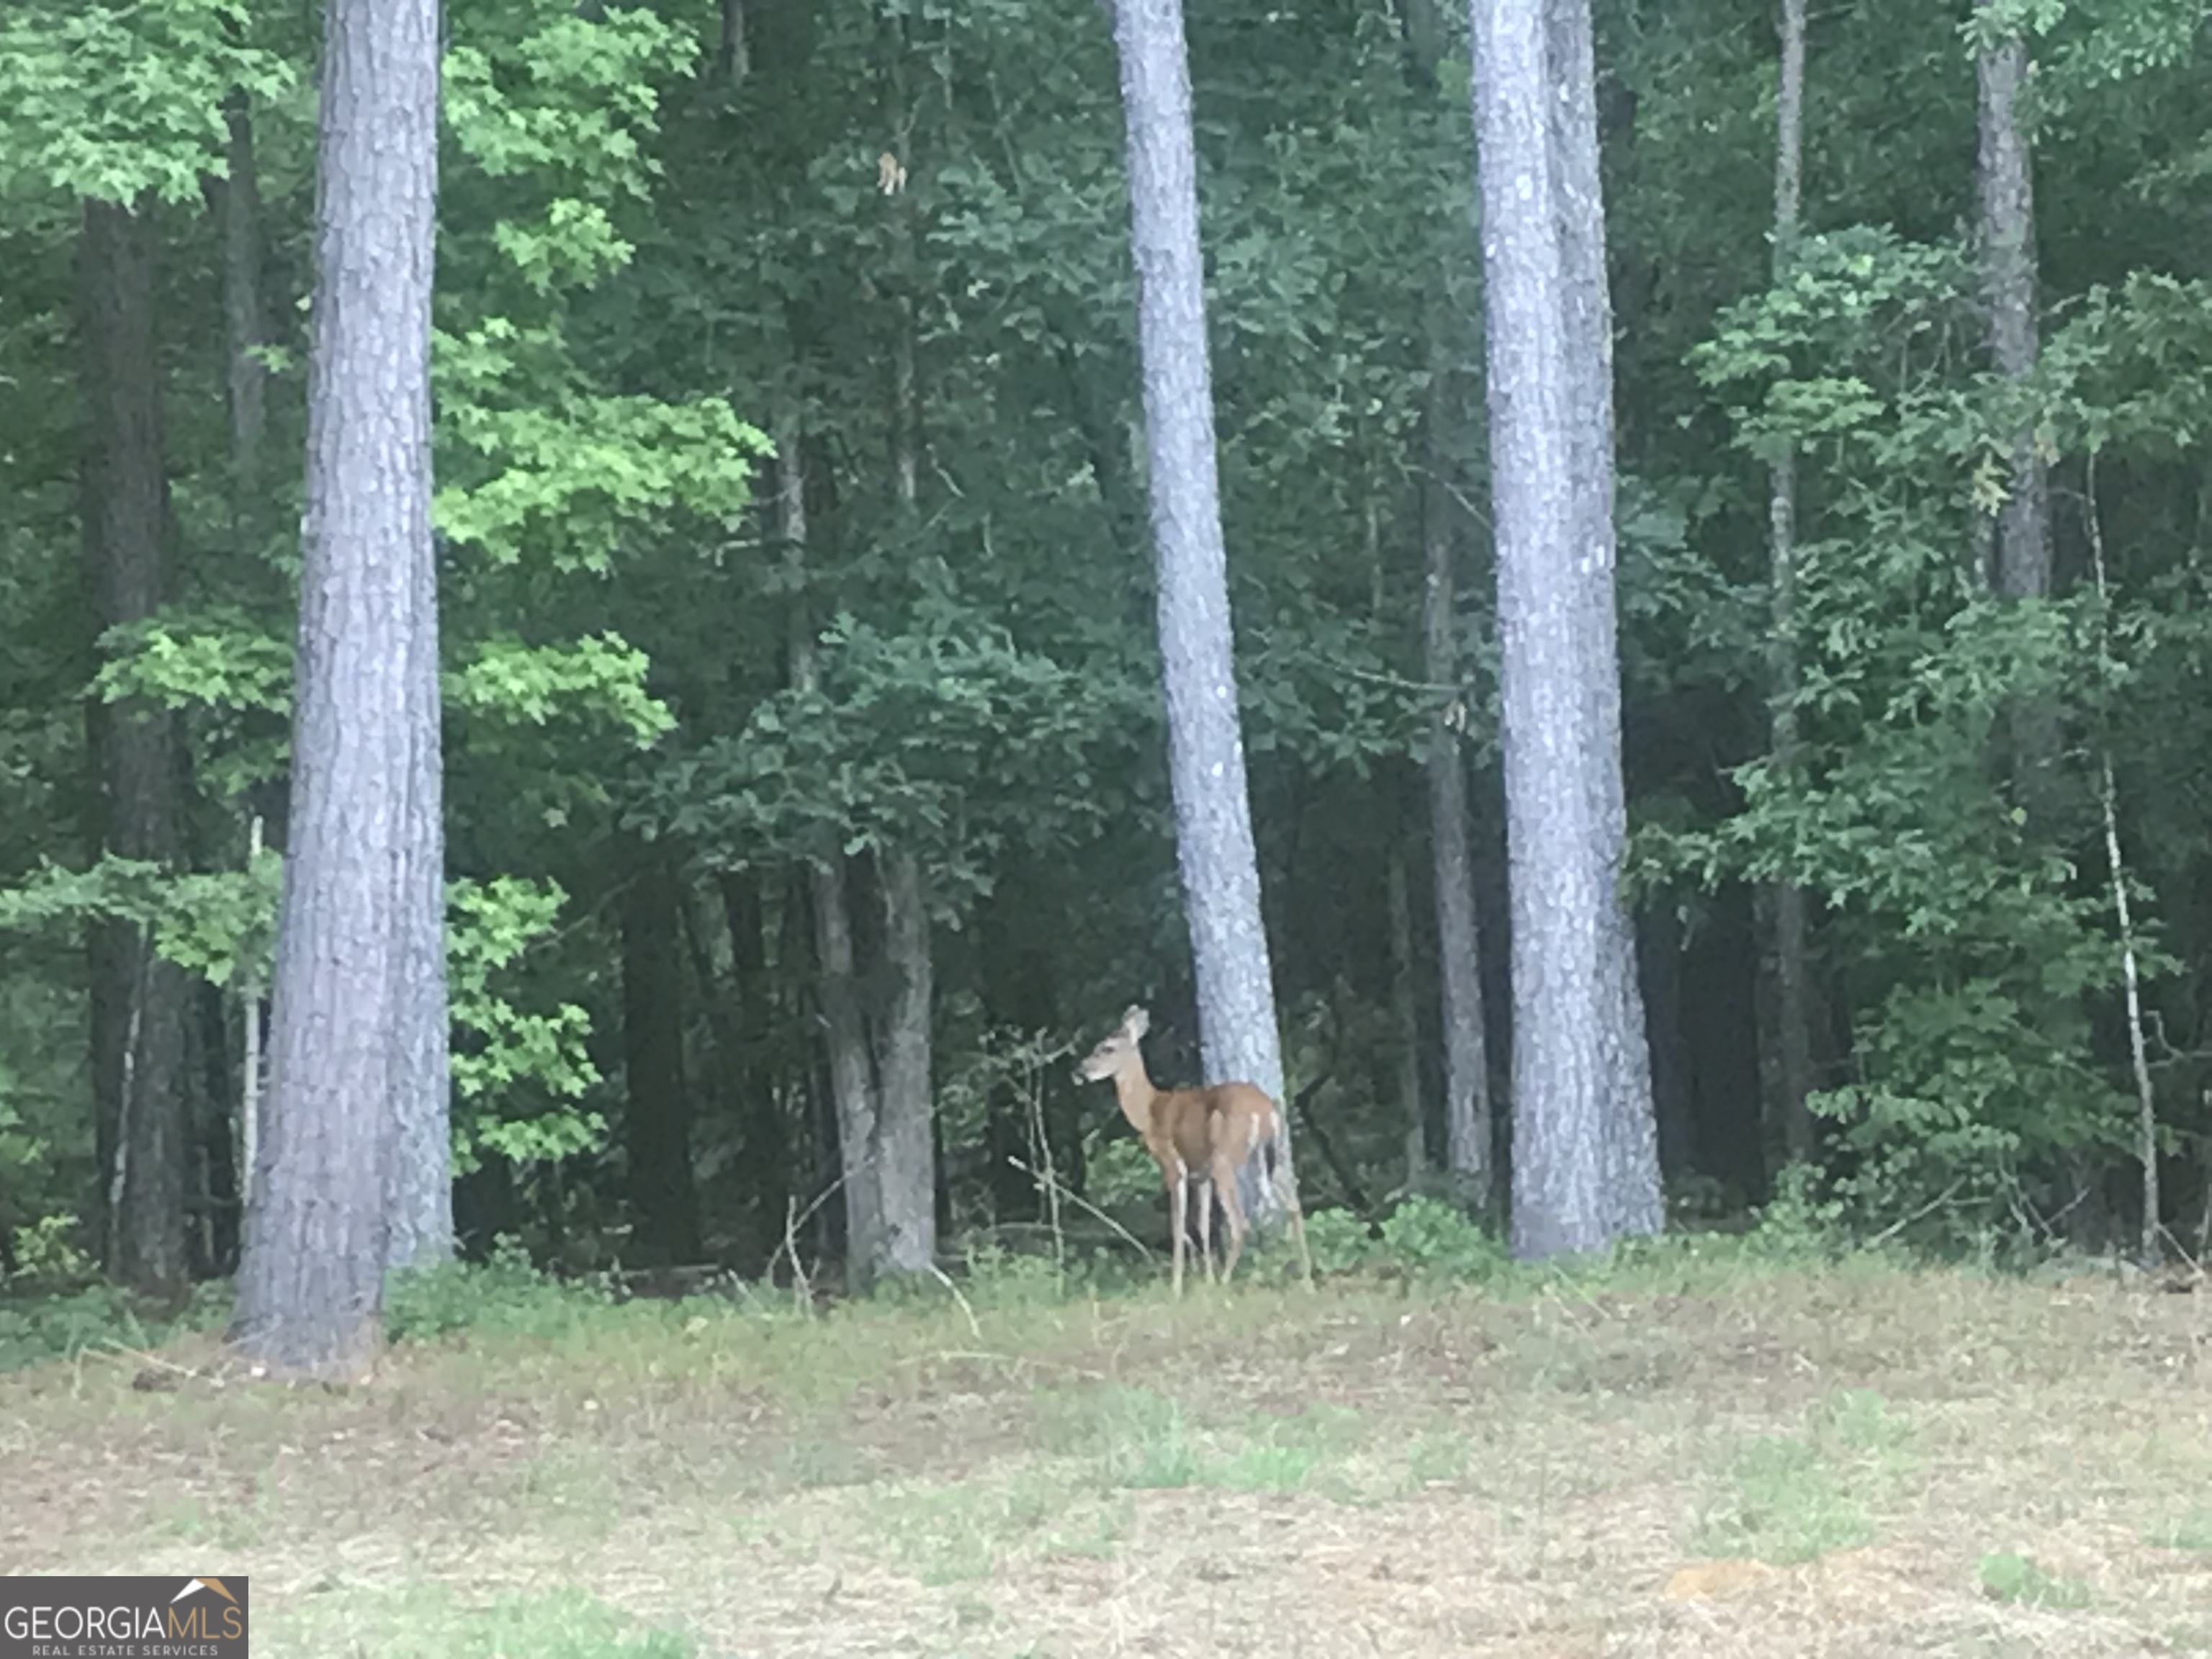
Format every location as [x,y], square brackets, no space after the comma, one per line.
[1133,1089]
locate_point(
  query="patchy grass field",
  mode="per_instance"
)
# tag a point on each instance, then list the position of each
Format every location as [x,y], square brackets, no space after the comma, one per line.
[1701,1455]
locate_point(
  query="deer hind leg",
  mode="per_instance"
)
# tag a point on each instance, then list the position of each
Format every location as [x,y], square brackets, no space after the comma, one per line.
[1178,1195]
[1205,1186]
[1232,1215]
[1298,1235]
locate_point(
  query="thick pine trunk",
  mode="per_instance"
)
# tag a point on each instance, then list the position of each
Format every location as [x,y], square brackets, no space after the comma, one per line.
[657,1106]
[1214,846]
[1585,1169]
[349,985]
[140,1003]
[1635,1199]
[421,1193]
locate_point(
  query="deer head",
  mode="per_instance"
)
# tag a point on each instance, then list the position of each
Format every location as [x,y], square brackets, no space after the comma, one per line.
[1116,1049]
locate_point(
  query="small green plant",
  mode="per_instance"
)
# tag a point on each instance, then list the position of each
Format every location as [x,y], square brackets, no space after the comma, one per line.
[1140,1436]
[2193,1532]
[38,1329]
[48,1251]
[1430,1237]
[998,1277]
[1439,1459]
[1786,1504]
[1340,1241]
[1794,1498]
[1801,1220]
[426,1621]
[506,1294]
[2007,1576]
[1266,1465]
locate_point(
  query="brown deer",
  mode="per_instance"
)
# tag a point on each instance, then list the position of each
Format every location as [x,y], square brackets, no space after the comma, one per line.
[1198,1137]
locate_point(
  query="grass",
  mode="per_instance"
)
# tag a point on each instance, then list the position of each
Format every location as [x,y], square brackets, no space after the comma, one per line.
[1694,1449]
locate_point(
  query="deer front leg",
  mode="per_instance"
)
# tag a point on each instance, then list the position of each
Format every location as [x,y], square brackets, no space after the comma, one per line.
[1205,1226]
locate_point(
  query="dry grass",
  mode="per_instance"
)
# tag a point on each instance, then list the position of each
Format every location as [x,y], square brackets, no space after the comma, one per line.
[1853,1462]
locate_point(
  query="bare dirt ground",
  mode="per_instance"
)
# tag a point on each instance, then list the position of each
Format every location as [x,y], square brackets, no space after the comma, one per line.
[1857,1463]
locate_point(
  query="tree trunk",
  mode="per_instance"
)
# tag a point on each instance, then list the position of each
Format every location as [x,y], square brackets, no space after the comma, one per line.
[852,1076]
[1585,1146]
[1468,1135]
[347,983]
[844,1027]
[1214,847]
[766,1140]
[905,1152]
[1405,1019]
[141,1002]
[2021,563]
[1792,1004]
[245,328]
[245,324]
[1632,1187]
[906,1144]
[879,1056]
[657,1116]
[420,1195]
[734,52]
[2008,277]
[1467,1132]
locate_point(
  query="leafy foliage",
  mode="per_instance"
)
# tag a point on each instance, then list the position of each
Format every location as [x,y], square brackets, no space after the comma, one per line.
[112,101]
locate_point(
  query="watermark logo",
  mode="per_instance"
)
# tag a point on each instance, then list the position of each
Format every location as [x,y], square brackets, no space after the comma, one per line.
[123,1618]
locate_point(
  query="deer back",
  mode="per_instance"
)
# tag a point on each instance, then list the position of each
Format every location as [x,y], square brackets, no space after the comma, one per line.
[1202,1125]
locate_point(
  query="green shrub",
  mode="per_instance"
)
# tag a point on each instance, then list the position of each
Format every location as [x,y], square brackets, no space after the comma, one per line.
[2007,1576]
[506,1294]
[1339,1240]
[1429,1238]
[33,1329]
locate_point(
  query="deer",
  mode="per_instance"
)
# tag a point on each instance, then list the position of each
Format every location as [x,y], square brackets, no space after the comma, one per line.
[1200,1137]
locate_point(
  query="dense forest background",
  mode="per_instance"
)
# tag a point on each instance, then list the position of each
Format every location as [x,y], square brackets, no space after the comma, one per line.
[791,512]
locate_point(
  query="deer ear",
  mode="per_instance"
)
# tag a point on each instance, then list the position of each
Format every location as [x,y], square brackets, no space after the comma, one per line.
[1136,1022]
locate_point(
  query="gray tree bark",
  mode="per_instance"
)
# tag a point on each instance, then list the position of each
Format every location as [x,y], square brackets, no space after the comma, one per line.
[349,999]
[878,1044]
[906,1146]
[1405,1020]
[2022,568]
[1467,1131]
[1467,1126]
[1214,847]
[140,1002]
[421,1194]
[2020,561]
[1632,1187]
[1585,1169]
[1793,1007]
